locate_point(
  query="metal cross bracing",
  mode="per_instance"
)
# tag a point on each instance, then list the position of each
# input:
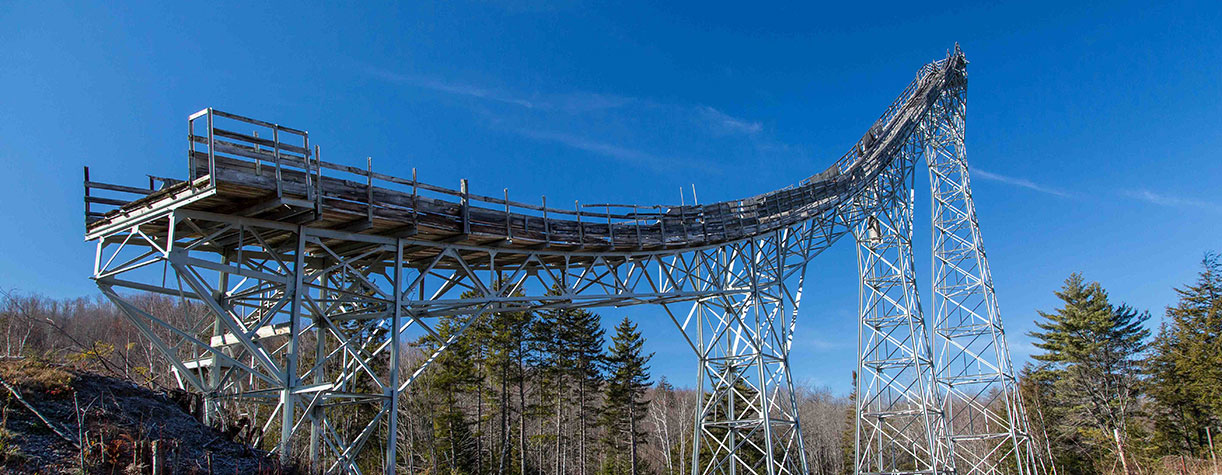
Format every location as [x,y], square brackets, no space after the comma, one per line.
[900,428]
[981,400]
[301,280]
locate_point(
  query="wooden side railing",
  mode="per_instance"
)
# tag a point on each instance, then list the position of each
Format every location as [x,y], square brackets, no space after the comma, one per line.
[229,148]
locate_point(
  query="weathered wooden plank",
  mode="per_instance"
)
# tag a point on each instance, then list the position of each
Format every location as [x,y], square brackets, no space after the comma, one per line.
[106,201]
[284,147]
[120,188]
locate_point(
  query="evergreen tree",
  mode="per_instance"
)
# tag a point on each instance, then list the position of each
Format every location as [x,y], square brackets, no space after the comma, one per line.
[506,343]
[625,406]
[542,356]
[453,376]
[1091,357]
[1185,368]
[556,366]
[582,335]
[567,346]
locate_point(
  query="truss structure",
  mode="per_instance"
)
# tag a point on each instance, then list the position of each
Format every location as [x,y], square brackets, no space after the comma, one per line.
[301,280]
[980,397]
[900,428]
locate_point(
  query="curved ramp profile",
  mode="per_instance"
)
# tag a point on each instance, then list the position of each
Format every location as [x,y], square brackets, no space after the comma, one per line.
[245,168]
[286,259]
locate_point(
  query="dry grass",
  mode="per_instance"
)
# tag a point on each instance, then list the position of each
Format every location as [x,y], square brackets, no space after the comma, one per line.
[1175,465]
[34,375]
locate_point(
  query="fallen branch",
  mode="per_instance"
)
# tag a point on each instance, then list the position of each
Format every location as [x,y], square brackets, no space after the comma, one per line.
[51,425]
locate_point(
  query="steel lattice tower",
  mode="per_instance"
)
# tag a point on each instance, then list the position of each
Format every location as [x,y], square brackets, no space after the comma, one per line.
[981,400]
[300,281]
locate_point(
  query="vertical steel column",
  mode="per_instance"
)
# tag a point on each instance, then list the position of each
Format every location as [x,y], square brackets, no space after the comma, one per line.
[288,400]
[794,239]
[392,385]
[984,409]
[900,428]
[211,410]
[317,414]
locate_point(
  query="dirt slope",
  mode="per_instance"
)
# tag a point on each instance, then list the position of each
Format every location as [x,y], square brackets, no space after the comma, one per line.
[120,421]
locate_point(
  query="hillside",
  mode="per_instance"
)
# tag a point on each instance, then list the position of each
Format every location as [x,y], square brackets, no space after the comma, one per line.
[118,421]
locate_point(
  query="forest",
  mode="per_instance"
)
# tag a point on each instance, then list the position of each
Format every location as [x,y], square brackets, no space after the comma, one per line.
[1108,390]
[1109,393]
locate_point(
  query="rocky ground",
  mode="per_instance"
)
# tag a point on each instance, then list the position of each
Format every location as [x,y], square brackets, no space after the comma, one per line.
[114,420]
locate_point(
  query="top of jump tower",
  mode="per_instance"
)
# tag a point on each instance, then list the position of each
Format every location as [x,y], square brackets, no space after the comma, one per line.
[258,170]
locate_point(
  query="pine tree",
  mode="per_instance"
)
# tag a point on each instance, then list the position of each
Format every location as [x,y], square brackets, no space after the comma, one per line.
[625,406]
[452,377]
[582,334]
[556,360]
[1185,368]
[506,345]
[1091,357]
[567,348]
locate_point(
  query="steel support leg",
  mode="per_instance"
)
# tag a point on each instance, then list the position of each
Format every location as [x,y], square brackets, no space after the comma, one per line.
[747,422]
[900,428]
[984,408]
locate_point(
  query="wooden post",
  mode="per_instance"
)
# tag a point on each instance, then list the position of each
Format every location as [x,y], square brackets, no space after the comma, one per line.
[317,180]
[258,161]
[415,203]
[305,158]
[610,230]
[86,194]
[191,150]
[581,230]
[547,225]
[636,219]
[508,228]
[275,141]
[466,207]
[369,189]
[158,458]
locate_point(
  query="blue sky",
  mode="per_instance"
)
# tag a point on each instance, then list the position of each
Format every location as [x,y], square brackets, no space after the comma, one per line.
[1095,132]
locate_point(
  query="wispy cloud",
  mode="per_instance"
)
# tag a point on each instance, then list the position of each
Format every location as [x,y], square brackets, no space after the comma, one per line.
[450,87]
[714,120]
[634,130]
[1171,201]
[1019,182]
[568,102]
[623,154]
[719,120]
[587,102]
